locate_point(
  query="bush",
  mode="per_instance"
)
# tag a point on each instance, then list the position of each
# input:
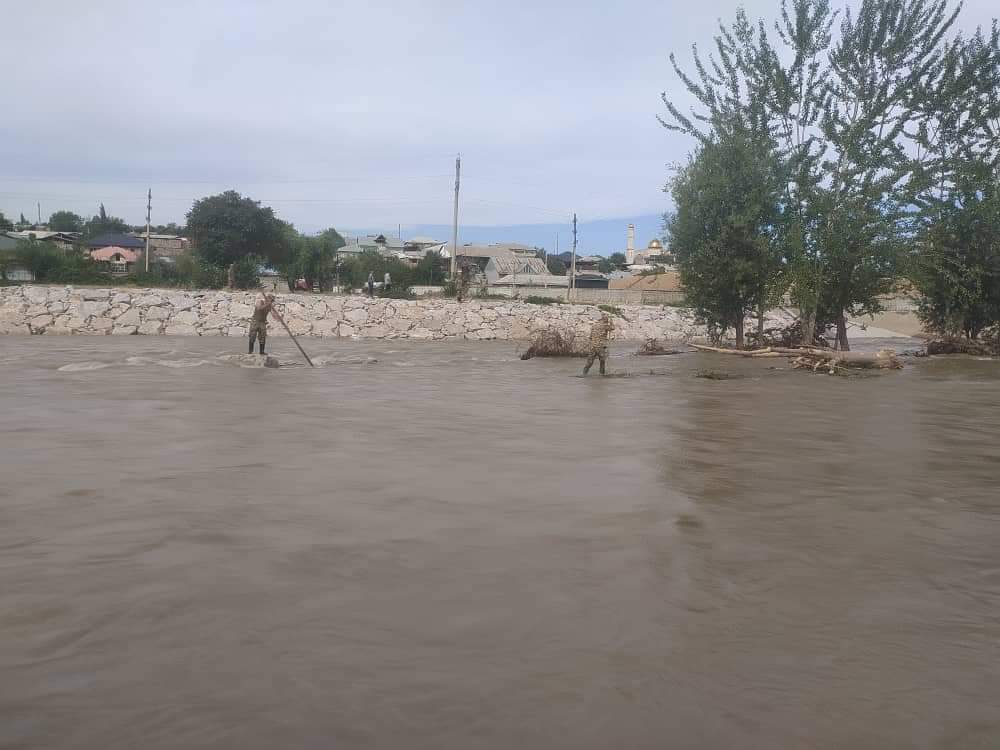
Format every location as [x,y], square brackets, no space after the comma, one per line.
[612,309]
[535,300]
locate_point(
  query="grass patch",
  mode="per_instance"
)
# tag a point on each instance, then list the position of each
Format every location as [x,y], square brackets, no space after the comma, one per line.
[535,300]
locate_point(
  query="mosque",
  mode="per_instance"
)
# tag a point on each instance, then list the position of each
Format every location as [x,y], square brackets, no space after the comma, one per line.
[642,257]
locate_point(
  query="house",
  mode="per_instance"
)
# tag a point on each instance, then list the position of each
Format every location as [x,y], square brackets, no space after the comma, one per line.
[667,281]
[589,280]
[543,280]
[127,241]
[62,240]
[507,264]
[118,260]
[164,245]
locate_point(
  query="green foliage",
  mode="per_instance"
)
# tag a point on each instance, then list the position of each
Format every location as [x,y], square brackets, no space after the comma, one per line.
[355,269]
[48,263]
[102,223]
[6,225]
[614,262]
[431,270]
[314,259]
[841,113]
[723,228]
[532,299]
[65,221]
[556,266]
[612,309]
[227,227]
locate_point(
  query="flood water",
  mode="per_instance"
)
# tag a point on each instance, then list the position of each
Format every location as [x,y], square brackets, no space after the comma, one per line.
[451,548]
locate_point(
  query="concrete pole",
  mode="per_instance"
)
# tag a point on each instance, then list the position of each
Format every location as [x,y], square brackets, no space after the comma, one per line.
[454,224]
[572,273]
[149,208]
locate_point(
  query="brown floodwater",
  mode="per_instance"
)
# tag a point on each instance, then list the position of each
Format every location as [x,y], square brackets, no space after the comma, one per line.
[451,548]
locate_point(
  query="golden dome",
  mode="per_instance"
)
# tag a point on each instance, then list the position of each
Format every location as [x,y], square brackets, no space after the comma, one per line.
[654,245]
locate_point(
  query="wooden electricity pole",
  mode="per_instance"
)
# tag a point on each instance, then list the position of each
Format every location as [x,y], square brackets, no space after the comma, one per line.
[149,208]
[454,224]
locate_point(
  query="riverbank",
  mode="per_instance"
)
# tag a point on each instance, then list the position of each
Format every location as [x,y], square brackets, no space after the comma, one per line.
[67,310]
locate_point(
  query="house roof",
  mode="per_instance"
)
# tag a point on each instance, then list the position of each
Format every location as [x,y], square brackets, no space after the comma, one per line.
[109,252]
[668,281]
[508,263]
[44,234]
[118,240]
[532,279]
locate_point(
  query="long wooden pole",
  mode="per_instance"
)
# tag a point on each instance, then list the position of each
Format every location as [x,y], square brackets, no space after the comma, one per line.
[282,321]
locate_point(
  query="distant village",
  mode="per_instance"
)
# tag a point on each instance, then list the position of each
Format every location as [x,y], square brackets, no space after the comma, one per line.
[633,275]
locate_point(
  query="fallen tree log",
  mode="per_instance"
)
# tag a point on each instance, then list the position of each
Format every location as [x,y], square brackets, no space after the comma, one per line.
[817,359]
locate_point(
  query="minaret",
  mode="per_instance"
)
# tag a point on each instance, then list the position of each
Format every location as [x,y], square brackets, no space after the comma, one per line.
[630,247]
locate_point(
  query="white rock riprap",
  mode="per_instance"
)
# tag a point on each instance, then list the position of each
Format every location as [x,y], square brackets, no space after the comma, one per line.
[66,310]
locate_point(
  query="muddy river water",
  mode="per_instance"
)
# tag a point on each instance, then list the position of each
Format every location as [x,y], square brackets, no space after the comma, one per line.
[450,548]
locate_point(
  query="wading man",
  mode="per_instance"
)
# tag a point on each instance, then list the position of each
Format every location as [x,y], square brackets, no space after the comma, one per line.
[600,332]
[258,323]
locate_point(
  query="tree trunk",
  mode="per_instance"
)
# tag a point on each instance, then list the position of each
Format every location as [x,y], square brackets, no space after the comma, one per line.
[808,317]
[842,343]
[739,332]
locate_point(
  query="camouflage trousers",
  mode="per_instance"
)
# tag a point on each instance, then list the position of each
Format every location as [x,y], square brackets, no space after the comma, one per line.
[258,330]
[596,352]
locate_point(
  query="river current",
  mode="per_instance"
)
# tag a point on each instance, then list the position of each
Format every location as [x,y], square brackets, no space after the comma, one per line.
[437,545]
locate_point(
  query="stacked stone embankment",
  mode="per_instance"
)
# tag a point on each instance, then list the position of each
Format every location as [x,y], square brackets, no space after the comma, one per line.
[64,310]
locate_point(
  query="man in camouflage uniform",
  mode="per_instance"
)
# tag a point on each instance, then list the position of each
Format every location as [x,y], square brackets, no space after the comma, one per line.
[600,332]
[258,323]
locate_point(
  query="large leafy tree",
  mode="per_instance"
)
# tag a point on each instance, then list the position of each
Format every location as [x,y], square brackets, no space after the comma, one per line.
[313,259]
[65,221]
[839,110]
[724,228]
[228,226]
[957,266]
[6,225]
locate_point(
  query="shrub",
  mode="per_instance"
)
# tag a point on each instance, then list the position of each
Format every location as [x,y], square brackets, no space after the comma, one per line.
[612,309]
[535,300]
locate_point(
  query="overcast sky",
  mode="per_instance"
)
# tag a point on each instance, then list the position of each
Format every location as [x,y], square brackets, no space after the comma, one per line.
[348,113]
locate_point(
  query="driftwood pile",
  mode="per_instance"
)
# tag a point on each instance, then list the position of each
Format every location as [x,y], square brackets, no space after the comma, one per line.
[552,343]
[989,347]
[655,348]
[816,360]
[789,337]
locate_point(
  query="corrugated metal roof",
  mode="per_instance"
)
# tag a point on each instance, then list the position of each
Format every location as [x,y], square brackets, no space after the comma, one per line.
[532,279]
[508,263]
[118,240]
[668,281]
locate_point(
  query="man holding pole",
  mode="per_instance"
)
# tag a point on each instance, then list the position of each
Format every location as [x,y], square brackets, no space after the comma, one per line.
[258,323]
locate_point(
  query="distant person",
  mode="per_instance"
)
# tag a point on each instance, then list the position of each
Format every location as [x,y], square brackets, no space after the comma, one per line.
[462,288]
[600,332]
[386,283]
[258,323]
[371,283]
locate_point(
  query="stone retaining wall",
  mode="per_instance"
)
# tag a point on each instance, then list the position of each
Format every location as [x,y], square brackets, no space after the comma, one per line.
[75,310]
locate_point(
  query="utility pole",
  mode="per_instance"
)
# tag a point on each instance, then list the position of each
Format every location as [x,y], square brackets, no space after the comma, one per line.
[454,224]
[572,273]
[39,213]
[149,208]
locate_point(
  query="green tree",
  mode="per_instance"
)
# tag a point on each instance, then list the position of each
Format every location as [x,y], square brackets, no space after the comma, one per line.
[314,259]
[226,227]
[6,225]
[957,266]
[723,230]
[555,265]
[614,262]
[103,223]
[432,269]
[65,221]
